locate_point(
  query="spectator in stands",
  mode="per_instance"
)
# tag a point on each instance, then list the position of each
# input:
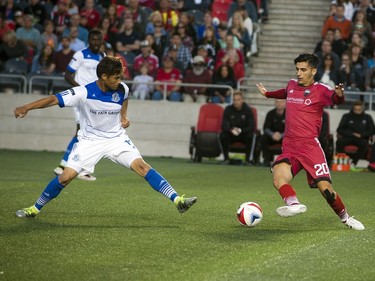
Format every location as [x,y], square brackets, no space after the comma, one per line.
[223,32]
[9,9]
[18,21]
[361,27]
[29,34]
[223,54]
[203,51]
[273,130]
[114,17]
[146,56]
[4,28]
[72,7]
[246,21]
[262,7]
[207,22]
[141,88]
[349,9]
[90,16]
[83,33]
[238,30]
[151,4]
[191,28]
[64,56]
[202,5]
[43,63]
[106,29]
[339,45]
[238,125]
[12,48]
[327,49]
[355,128]
[359,64]
[356,39]
[328,74]
[210,42]
[61,17]
[129,41]
[161,40]
[187,40]
[250,8]
[223,76]
[155,19]
[181,53]
[39,13]
[347,74]
[338,21]
[108,50]
[365,5]
[168,73]
[198,74]
[329,36]
[76,44]
[48,36]
[232,60]
[140,16]
[170,17]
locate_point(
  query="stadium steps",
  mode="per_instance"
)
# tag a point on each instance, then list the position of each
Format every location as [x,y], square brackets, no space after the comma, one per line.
[294,27]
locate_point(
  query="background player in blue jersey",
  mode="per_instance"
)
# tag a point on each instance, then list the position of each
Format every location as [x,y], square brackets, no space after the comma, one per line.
[81,71]
[103,117]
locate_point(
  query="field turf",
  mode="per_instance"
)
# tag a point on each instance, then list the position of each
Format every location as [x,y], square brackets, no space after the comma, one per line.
[119,228]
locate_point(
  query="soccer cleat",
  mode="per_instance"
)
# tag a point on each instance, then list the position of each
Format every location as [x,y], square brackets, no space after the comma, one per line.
[59,170]
[27,212]
[290,211]
[351,222]
[183,204]
[86,176]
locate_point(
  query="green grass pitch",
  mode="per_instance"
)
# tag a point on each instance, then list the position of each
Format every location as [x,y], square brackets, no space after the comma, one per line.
[119,228]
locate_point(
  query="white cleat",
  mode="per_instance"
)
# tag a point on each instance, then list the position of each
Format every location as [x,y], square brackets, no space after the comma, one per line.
[86,176]
[351,222]
[290,211]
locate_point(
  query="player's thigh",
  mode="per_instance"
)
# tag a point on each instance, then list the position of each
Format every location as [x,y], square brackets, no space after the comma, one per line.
[314,162]
[123,152]
[85,154]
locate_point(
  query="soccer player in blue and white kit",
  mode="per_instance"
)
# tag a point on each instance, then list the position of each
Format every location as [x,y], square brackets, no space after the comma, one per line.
[81,71]
[305,102]
[103,117]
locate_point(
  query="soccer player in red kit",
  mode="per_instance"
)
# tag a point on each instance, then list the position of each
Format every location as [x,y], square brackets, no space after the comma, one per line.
[305,101]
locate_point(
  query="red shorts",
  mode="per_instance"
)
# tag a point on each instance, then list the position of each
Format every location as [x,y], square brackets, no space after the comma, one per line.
[307,155]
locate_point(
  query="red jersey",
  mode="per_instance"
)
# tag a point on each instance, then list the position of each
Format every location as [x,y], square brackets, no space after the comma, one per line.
[151,60]
[173,76]
[304,108]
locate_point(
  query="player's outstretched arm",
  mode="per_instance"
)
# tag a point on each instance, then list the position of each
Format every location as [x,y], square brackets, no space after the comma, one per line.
[339,90]
[124,120]
[21,111]
[261,89]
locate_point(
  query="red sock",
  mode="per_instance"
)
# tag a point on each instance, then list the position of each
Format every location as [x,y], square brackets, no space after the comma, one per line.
[288,194]
[339,207]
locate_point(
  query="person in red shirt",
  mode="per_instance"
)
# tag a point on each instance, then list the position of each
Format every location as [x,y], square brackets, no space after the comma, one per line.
[168,73]
[90,17]
[146,56]
[338,21]
[305,102]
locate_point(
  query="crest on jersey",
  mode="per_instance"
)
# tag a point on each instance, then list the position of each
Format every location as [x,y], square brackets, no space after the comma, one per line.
[306,93]
[115,97]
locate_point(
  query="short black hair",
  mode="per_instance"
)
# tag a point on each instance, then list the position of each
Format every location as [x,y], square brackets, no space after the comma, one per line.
[94,32]
[311,59]
[109,65]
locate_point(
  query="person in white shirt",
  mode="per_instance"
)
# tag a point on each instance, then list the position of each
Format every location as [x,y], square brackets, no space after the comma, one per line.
[142,89]
[103,106]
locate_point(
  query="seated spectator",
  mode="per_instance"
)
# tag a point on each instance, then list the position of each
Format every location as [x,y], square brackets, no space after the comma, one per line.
[83,33]
[155,18]
[238,30]
[128,41]
[363,29]
[109,51]
[168,73]
[140,16]
[64,56]
[238,125]
[179,51]
[210,42]
[43,63]
[355,128]
[339,45]
[170,17]
[161,39]
[347,75]
[356,39]
[328,74]
[223,76]
[29,34]
[248,5]
[146,56]
[359,64]
[106,29]
[9,9]
[329,36]
[112,12]
[60,17]
[224,53]
[4,28]
[191,28]
[327,49]
[90,16]
[273,130]
[48,36]
[205,52]
[232,60]
[207,22]
[76,44]
[222,38]
[187,40]
[202,5]
[141,89]
[39,13]
[198,74]
[13,48]
[338,21]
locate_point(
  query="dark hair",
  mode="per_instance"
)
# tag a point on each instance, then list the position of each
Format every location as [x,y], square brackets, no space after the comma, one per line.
[311,59]
[109,65]
[94,32]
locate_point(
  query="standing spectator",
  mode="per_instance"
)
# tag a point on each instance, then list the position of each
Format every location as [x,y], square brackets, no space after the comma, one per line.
[338,21]
[90,17]
[83,33]
[29,34]
[223,76]
[181,53]
[168,73]
[146,56]
[43,63]
[169,16]
[129,40]
[48,36]
[61,17]
[141,87]
[301,150]
[64,56]
[355,128]
[273,129]
[198,74]
[39,13]
[238,125]
[329,75]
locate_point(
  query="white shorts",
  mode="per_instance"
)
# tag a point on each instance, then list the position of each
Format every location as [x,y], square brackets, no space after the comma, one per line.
[86,153]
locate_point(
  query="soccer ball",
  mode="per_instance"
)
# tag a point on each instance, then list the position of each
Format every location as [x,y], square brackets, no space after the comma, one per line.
[249,214]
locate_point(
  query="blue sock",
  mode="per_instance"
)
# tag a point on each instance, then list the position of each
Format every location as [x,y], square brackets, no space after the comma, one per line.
[51,191]
[69,148]
[160,184]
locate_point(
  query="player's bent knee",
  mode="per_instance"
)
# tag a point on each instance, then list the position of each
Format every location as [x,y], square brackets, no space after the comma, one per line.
[140,167]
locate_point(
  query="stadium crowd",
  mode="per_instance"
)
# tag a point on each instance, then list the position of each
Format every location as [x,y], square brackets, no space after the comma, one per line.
[164,40]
